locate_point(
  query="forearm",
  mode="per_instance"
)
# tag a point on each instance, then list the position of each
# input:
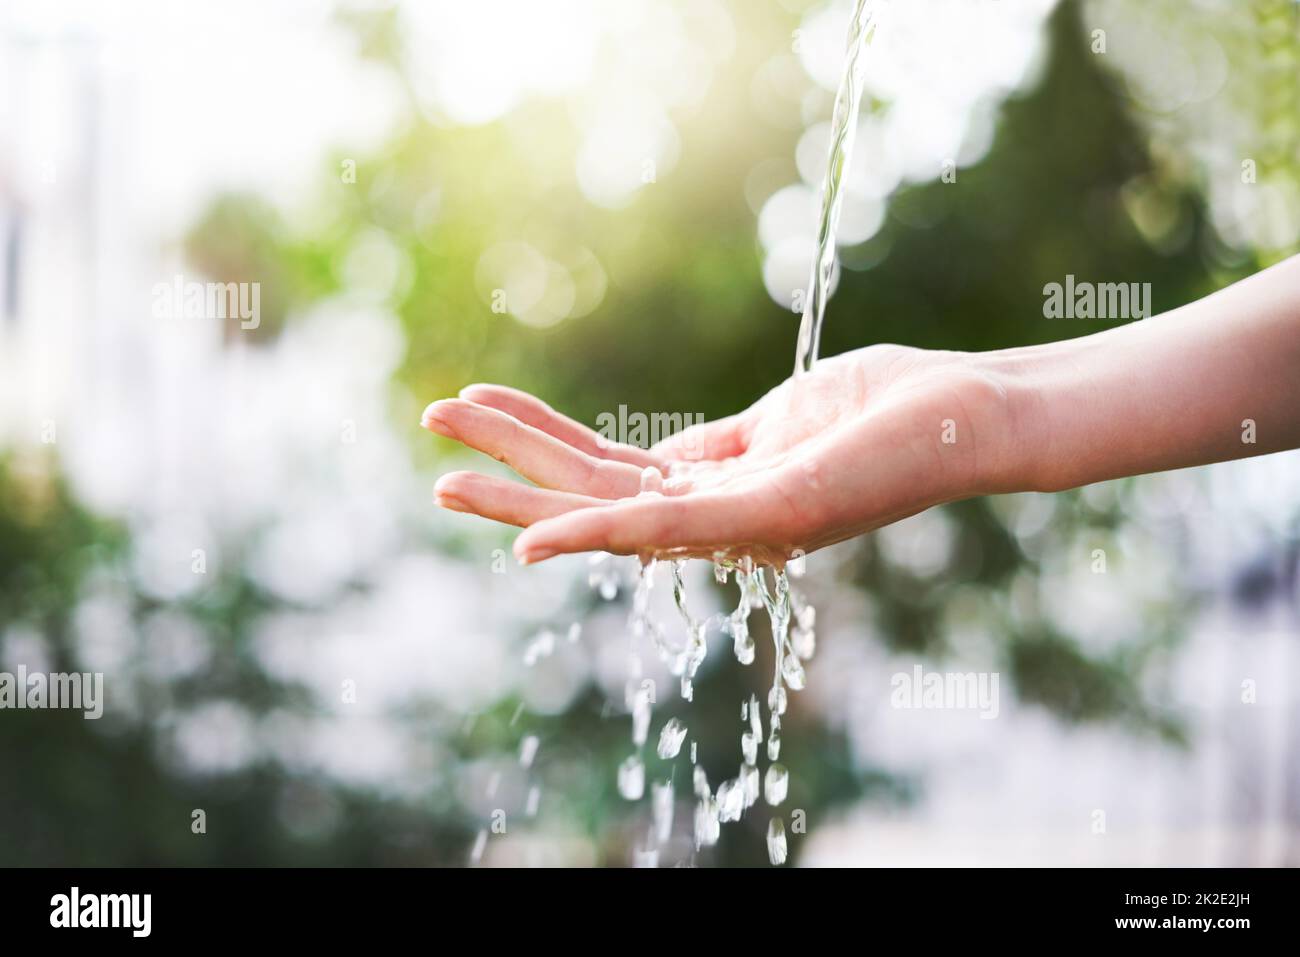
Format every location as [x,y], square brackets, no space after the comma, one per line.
[1213,380]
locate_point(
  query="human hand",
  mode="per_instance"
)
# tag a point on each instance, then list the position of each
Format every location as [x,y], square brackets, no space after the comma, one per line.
[869,437]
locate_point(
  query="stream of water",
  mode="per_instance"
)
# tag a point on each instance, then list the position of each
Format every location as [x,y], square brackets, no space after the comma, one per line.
[844,124]
[791,618]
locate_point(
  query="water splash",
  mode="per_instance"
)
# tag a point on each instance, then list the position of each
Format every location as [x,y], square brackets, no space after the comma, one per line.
[844,123]
[791,619]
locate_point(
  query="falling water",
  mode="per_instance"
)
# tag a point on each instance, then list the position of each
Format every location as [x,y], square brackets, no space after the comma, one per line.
[862,29]
[792,619]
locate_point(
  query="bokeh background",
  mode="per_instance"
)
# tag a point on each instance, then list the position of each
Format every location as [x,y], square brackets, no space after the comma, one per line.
[235,526]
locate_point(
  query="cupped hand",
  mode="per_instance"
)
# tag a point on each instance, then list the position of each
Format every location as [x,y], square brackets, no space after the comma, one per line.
[867,438]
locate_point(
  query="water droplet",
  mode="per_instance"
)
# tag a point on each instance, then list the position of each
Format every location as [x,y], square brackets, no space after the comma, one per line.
[749,780]
[776,700]
[707,824]
[645,857]
[541,646]
[575,632]
[641,709]
[480,845]
[744,648]
[806,615]
[793,673]
[663,804]
[528,751]
[804,643]
[534,801]
[494,782]
[731,800]
[700,780]
[602,575]
[776,846]
[749,748]
[631,778]
[755,720]
[774,743]
[775,784]
[670,739]
[693,747]
[652,480]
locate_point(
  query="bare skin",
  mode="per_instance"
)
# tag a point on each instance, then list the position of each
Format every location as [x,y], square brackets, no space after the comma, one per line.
[875,435]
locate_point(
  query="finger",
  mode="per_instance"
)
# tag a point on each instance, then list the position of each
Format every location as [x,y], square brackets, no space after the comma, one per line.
[702,521]
[532,453]
[720,439]
[504,501]
[533,411]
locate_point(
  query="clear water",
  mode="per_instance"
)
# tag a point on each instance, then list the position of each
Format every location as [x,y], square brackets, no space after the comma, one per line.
[791,618]
[862,28]
[683,648]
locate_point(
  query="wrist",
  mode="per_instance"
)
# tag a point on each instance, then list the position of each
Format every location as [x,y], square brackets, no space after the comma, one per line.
[1016,455]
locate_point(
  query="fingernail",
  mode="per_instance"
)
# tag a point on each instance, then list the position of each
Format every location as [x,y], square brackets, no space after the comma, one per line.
[435,420]
[451,502]
[531,556]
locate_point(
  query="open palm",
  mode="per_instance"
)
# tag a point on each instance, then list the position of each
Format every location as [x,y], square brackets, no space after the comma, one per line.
[867,438]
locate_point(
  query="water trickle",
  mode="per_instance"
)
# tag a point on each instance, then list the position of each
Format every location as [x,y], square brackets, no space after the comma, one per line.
[670,739]
[775,783]
[683,649]
[844,124]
